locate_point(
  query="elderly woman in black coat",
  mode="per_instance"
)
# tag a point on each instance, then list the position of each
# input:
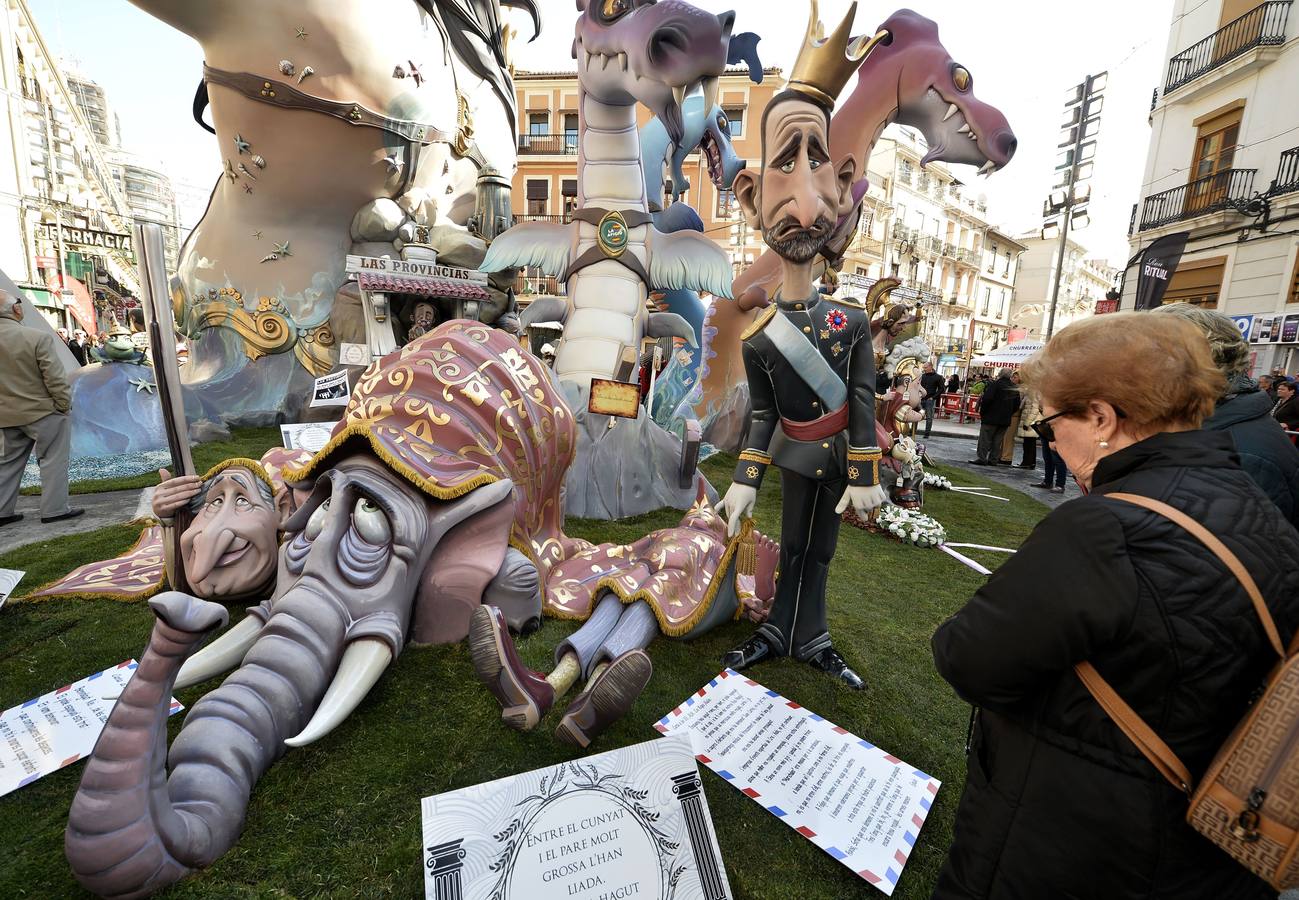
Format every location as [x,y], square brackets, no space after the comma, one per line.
[1058,803]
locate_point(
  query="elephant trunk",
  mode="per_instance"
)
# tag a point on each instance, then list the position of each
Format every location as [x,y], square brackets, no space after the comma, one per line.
[132,830]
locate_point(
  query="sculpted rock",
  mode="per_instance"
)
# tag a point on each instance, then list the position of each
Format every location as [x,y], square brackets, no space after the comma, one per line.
[378,220]
[457,247]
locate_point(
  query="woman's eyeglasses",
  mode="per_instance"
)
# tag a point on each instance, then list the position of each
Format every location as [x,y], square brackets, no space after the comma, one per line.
[1042,427]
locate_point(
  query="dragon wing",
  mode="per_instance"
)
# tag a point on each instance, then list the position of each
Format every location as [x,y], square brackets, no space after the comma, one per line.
[538,244]
[686,260]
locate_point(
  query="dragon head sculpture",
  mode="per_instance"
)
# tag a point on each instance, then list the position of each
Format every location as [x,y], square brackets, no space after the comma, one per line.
[653,53]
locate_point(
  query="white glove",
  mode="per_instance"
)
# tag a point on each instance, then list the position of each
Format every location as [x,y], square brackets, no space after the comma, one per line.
[737,506]
[863,499]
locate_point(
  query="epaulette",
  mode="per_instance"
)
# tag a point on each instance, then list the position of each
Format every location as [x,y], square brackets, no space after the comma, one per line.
[760,322]
[850,302]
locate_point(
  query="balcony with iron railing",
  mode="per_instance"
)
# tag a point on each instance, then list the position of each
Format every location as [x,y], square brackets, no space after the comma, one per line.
[546,144]
[564,219]
[1287,173]
[1201,197]
[1262,26]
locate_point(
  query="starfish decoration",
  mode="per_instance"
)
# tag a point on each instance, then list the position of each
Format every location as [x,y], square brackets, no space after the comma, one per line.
[395,163]
[230,171]
[302,33]
[257,235]
[241,145]
[415,73]
[141,386]
[248,188]
[283,249]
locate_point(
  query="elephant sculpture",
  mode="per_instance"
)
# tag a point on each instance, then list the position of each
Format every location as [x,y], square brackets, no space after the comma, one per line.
[438,491]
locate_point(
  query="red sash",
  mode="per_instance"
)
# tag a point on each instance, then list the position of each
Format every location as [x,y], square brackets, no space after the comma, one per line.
[818,429]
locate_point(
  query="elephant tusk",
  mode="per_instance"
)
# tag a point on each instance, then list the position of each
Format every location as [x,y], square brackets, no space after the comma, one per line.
[221,655]
[364,660]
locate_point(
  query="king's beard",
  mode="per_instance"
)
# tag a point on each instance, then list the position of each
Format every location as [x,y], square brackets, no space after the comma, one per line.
[792,242]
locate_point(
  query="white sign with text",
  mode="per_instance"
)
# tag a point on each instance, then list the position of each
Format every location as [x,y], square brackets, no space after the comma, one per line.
[858,803]
[59,728]
[630,824]
[9,579]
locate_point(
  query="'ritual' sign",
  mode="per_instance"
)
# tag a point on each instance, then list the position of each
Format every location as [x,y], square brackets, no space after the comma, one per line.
[630,824]
[860,804]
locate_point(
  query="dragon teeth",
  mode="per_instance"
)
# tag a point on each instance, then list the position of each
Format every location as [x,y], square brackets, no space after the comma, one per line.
[988,168]
[710,93]
[951,111]
[622,61]
[964,129]
[679,95]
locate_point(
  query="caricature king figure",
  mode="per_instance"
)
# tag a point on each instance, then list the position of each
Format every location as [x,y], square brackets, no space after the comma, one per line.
[809,359]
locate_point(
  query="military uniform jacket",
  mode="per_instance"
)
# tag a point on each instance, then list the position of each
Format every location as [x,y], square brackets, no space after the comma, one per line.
[781,387]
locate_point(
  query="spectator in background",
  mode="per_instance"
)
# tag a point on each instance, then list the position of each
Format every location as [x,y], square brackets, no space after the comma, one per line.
[79,347]
[1058,802]
[997,407]
[1267,384]
[1029,412]
[932,384]
[954,384]
[1243,410]
[1286,409]
[1007,457]
[34,403]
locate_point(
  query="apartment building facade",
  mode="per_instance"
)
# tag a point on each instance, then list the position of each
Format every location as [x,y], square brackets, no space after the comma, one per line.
[65,224]
[1223,165]
[1083,283]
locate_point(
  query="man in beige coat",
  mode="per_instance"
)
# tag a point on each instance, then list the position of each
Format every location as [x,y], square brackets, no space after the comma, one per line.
[34,403]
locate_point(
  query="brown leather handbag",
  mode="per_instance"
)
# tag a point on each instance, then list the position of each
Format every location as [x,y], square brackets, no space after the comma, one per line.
[1248,800]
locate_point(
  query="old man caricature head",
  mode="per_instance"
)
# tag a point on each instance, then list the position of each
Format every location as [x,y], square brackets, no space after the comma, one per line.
[801,194]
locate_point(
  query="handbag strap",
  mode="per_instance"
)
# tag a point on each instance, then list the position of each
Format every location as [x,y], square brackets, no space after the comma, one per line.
[1219,549]
[1150,744]
[1161,756]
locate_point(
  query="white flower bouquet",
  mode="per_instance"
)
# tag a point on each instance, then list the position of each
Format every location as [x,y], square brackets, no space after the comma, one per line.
[910,526]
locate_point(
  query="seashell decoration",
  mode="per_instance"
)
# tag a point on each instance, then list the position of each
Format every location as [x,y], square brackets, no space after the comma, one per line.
[259,161]
[307,72]
[287,67]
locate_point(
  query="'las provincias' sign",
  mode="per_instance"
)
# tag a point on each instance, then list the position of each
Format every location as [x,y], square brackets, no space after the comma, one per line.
[412,268]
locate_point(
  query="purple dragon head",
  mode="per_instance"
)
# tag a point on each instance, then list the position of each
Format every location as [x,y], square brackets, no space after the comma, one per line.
[653,53]
[936,94]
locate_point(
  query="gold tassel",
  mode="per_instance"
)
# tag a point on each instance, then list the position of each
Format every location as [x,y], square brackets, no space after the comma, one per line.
[746,556]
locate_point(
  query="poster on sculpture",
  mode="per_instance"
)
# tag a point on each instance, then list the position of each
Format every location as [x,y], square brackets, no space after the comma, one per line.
[331,390]
[57,729]
[9,579]
[857,802]
[630,824]
[309,436]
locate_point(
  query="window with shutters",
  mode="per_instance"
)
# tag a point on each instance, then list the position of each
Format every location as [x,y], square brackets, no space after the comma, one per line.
[538,194]
[1216,138]
[570,132]
[1197,281]
[735,121]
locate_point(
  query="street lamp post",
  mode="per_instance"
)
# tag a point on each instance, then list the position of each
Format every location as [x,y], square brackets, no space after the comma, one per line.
[1067,204]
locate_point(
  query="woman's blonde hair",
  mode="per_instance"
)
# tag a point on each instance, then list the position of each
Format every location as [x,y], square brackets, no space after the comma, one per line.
[1156,369]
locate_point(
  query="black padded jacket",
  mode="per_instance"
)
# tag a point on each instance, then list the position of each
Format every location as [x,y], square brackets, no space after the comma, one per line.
[1057,802]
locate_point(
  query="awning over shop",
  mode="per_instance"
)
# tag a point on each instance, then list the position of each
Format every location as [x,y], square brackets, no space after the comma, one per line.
[424,287]
[42,297]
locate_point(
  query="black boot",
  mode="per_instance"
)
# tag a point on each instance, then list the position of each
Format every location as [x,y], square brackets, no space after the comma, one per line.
[830,662]
[753,651]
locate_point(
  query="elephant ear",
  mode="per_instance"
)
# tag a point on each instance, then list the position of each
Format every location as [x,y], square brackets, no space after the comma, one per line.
[459,570]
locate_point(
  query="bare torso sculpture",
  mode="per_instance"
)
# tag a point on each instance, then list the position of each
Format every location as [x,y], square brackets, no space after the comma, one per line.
[321,109]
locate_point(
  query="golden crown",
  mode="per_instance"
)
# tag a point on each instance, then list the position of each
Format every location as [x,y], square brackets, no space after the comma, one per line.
[825,64]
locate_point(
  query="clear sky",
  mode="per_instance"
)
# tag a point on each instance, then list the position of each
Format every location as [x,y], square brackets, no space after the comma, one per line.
[1023,54]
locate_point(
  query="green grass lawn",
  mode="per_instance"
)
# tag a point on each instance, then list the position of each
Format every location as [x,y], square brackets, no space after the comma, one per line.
[341,818]
[246,442]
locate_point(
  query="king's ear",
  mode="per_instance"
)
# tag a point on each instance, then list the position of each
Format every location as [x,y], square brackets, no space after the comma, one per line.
[845,174]
[746,190]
